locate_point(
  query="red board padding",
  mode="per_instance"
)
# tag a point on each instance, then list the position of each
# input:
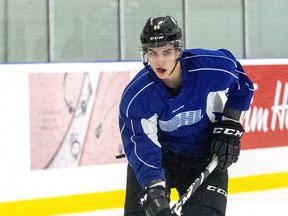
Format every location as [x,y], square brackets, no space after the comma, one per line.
[266,123]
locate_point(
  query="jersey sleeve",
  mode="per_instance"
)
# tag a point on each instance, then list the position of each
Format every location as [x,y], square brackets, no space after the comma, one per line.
[241,89]
[138,128]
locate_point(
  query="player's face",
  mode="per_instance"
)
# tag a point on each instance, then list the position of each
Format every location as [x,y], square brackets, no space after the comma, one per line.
[162,60]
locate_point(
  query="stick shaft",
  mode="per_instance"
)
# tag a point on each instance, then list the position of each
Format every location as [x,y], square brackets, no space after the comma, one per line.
[193,187]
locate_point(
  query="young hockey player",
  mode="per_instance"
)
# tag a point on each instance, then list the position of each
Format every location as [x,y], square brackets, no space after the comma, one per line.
[182,108]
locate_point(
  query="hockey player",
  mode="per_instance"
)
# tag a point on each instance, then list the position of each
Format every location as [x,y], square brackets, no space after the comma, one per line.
[183,107]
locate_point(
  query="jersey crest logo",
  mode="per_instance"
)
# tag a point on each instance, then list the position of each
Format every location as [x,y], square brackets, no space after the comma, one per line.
[181,119]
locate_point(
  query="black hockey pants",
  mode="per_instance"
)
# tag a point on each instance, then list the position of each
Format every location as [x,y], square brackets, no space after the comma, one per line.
[209,199]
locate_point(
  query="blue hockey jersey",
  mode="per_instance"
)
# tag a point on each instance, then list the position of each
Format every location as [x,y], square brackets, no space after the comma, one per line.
[151,121]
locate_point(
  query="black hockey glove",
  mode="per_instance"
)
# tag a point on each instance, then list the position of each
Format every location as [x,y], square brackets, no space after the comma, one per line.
[155,201]
[226,142]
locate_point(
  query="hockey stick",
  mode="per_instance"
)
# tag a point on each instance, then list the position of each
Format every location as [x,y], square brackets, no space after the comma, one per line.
[176,208]
[120,156]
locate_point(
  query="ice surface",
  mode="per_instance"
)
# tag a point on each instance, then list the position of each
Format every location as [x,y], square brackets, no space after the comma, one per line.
[263,203]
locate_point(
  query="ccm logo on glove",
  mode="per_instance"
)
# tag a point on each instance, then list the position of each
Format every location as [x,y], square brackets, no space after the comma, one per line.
[226,143]
[228,131]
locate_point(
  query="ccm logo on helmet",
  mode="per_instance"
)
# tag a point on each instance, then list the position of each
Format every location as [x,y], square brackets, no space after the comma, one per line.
[156,37]
[227,131]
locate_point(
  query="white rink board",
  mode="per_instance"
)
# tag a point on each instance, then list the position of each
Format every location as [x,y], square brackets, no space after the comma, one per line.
[19,181]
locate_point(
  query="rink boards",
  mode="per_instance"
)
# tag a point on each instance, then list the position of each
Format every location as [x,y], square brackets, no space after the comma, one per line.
[59,135]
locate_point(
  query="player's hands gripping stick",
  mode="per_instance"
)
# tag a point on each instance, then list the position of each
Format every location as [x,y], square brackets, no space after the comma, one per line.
[155,200]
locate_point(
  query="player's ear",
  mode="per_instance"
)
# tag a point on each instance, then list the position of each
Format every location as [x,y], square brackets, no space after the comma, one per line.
[178,52]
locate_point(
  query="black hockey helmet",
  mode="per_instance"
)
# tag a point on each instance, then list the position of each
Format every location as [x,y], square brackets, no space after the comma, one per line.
[159,32]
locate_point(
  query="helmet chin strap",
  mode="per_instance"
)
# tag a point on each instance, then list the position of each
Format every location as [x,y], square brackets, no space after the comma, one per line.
[174,66]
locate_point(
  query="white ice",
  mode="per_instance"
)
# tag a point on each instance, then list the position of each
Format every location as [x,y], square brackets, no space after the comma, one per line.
[263,203]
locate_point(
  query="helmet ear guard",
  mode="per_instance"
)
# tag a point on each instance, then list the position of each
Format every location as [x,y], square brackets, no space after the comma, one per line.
[144,56]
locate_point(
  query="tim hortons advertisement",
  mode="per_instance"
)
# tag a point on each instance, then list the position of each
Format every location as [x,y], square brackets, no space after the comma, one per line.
[266,123]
